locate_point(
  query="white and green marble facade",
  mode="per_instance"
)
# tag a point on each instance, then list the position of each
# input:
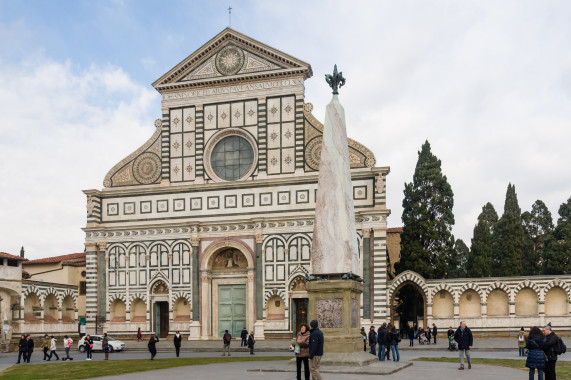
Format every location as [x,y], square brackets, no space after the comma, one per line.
[164,213]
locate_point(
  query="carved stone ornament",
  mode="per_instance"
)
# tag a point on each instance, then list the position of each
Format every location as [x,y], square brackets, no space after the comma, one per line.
[379,185]
[158,123]
[147,168]
[330,313]
[160,288]
[90,205]
[229,60]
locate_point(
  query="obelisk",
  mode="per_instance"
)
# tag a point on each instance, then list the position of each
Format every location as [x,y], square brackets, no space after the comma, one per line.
[334,248]
[335,286]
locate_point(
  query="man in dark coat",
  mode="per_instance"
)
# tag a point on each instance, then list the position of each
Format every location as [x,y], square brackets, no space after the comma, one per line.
[30,342]
[372,341]
[463,337]
[177,341]
[316,341]
[244,336]
[434,332]
[22,348]
[383,341]
[548,348]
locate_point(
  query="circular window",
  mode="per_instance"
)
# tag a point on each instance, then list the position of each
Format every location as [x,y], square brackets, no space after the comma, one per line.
[232,158]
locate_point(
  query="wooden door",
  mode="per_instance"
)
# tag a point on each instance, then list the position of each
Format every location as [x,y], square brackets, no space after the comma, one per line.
[231,309]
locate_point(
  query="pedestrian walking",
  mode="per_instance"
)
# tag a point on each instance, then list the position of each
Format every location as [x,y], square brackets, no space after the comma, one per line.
[316,341]
[45,346]
[139,335]
[434,332]
[22,348]
[177,342]
[411,337]
[552,348]
[465,340]
[364,334]
[372,341]
[521,342]
[105,346]
[67,344]
[53,349]
[244,337]
[536,358]
[226,339]
[88,343]
[152,346]
[303,355]
[383,341]
[30,346]
[394,339]
[251,342]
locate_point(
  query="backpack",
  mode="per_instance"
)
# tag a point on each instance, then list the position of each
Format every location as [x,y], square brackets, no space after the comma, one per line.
[520,338]
[560,348]
[227,338]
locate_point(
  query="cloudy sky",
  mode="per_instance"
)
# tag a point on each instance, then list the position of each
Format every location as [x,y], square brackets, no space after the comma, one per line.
[487,83]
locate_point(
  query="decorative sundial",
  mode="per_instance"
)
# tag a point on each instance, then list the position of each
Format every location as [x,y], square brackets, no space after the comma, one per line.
[229,60]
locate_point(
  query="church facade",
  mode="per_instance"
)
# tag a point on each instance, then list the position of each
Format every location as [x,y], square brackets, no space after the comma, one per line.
[208,225]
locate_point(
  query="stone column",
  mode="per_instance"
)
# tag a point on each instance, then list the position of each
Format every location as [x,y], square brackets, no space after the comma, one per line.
[259,324]
[367,274]
[92,287]
[195,324]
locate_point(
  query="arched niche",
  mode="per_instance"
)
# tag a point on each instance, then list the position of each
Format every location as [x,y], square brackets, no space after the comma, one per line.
[470,304]
[556,302]
[275,308]
[498,303]
[443,305]
[526,302]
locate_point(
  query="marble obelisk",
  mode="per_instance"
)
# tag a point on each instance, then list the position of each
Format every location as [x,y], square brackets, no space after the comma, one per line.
[334,246]
[335,288]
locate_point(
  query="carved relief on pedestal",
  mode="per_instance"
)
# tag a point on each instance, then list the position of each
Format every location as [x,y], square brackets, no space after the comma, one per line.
[330,313]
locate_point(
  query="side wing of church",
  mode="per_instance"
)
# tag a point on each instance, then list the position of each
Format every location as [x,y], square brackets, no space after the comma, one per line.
[208,225]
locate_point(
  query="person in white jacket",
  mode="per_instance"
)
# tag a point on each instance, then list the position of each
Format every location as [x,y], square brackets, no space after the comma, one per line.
[67,344]
[53,349]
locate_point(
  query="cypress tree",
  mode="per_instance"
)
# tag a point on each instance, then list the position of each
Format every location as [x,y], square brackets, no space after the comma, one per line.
[508,239]
[557,254]
[427,243]
[462,254]
[537,225]
[479,261]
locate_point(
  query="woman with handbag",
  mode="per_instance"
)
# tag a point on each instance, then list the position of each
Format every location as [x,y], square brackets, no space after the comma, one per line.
[88,342]
[302,354]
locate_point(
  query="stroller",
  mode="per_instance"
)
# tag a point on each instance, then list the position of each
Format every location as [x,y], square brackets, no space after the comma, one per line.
[451,343]
[423,339]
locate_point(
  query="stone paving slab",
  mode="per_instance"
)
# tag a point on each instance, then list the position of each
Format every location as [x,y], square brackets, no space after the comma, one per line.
[378,368]
[238,371]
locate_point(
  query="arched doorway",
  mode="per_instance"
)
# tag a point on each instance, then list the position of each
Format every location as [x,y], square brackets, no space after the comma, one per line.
[227,285]
[408,306]
[299,300]
[160,312]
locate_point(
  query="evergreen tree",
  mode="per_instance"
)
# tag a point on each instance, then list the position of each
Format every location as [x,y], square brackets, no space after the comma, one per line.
[557,254]
[489,215]
[462,254]
[479,263]
[538,225]
[427,243]
[508,239]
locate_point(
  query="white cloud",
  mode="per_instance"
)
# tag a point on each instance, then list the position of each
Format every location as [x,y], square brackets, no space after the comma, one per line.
[62,128]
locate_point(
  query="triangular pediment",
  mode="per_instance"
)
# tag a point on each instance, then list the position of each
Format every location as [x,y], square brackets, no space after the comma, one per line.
[231,56]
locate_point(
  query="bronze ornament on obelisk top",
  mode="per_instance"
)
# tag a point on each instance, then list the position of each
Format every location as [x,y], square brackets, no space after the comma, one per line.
[335,285]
